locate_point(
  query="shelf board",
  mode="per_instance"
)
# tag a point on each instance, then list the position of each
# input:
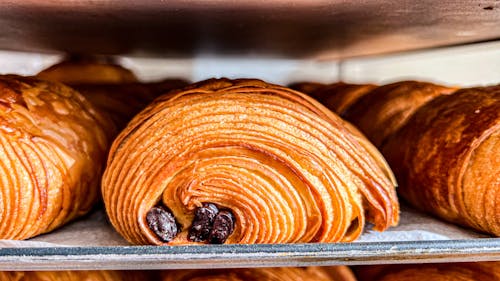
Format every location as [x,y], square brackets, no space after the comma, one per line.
[321,29]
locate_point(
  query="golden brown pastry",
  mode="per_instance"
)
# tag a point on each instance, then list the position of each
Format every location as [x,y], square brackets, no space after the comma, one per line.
[110,87]
[307,87]
[123,101]
[87,70]
[335,273]
[446,158]
[480,271]
[383,110]
[460,190]
[74,276]
[52,154]
[338,97]
[243,161]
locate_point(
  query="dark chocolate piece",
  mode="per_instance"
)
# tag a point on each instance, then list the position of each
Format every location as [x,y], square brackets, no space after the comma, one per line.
[202,223]
[162,222]
[223,227]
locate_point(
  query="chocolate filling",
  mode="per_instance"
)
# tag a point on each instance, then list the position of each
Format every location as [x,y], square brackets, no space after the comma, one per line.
[210,224]
[223,227]
[162,222]
[202,223]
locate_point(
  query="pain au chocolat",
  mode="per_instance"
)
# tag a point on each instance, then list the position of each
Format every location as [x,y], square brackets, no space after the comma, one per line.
[244,161]
[52,154]
[79,69]
[73,276]
[383,110]
[446,158]
[111,87]
[307,87]
[468,271]
[442,144]
[338,97]
[334,273]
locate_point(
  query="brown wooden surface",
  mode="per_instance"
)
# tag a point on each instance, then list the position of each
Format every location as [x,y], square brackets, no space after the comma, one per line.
[296,28]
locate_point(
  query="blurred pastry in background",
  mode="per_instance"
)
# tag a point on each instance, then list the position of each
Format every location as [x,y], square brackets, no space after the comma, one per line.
[52,154]
[338,97]
[442,144]
[111,87]
[384,109]
[446,158]
[82,69]
[332,273]
[97,275]
[467,271]
[306,87]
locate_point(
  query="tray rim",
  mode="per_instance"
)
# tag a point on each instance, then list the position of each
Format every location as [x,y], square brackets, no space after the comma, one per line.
[262,255]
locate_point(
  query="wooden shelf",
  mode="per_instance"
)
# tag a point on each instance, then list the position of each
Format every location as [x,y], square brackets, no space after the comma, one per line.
[298,28]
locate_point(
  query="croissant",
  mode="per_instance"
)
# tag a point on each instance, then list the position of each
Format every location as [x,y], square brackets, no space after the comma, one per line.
[338,97]
[87,70]
[243,161]
[52,153]
[124,101]
[487,271]
[111,88]
[446,158]
[306,87]
[383,110]
[337,273]
[73,276]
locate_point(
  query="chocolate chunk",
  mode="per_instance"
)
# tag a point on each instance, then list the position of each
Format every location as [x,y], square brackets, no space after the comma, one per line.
[202,223]
[162,222]
[223,227]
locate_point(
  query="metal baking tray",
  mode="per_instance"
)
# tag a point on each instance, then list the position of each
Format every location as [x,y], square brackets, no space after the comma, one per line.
[238,256]
[91,243]
[296,28]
